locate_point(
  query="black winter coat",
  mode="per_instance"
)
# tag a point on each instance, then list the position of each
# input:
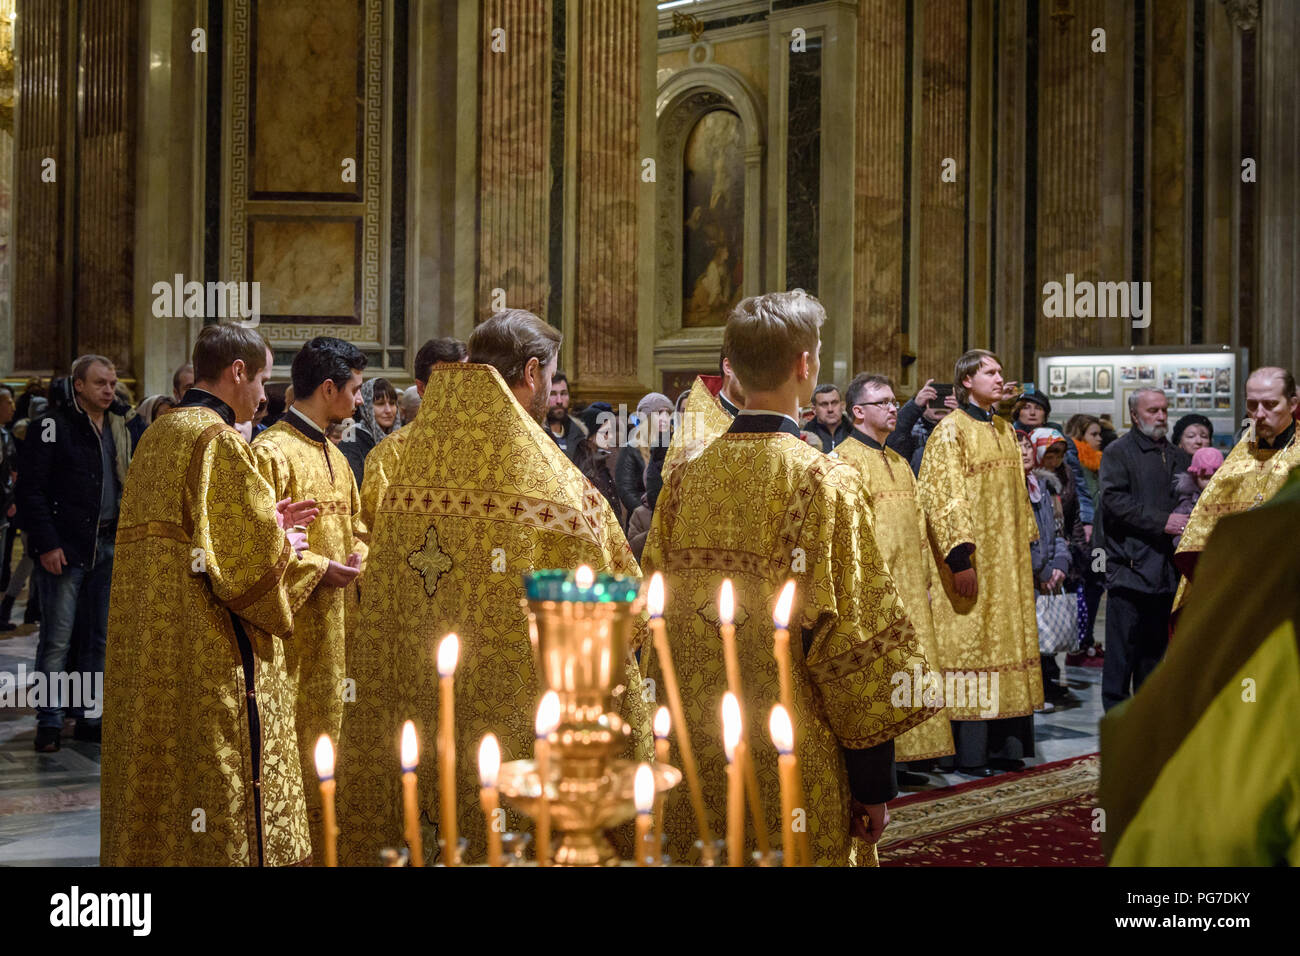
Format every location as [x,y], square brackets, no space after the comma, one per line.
[1136,500]
[59,484]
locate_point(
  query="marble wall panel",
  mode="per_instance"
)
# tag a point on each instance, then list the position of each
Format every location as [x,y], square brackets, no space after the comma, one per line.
[307,268]
[308,90]
[1168,174]
[938,320]
[514,156]
[878,187]
[606,104]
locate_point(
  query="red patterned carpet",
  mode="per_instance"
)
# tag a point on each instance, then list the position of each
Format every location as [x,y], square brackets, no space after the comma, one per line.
[1040,817]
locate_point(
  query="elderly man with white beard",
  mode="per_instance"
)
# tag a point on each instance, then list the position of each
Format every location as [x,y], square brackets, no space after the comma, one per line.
[1137,502]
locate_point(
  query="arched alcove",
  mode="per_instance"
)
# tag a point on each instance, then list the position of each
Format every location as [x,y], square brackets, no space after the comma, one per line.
[683,100]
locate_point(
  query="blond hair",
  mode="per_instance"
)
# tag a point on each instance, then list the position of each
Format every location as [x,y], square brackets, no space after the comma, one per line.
[968,365]
[766,333]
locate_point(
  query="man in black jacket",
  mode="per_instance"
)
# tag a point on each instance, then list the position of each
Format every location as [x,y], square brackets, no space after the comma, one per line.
[69,488]
[1138,501]
[829,424]
[916,419]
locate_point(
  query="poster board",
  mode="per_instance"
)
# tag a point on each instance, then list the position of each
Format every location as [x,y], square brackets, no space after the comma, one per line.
[1206,380]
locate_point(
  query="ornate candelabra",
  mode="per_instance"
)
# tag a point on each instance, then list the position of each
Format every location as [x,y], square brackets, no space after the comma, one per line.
[581,626]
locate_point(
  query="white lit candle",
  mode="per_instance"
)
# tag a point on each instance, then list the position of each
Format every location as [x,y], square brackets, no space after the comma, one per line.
[325,770]
[489,766]
[410,760]
[448,654]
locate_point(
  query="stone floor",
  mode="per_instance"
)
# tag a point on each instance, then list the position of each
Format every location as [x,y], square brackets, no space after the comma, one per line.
[49,803]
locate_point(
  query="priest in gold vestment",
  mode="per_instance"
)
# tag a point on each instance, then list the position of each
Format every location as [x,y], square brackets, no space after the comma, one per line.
[481,496]
[299,462]
[200,762]
[900,535]
[759,506]
[381,462]
[1252,473]
[972,490]
[702,419]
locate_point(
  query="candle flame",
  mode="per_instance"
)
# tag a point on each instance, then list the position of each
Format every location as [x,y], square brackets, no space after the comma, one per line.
[548,714]
[643,789]
[781,616]
[448,654]
[654,598]
[324,757]
[410,748]
[489,761]
[782,730]
[584,577]
[726,602]
[730,724]
[663,722]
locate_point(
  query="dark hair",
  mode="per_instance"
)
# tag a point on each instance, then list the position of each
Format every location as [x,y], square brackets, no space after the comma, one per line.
[324,357]
[1180,426]
[383,389]
[858,387]
[510,339]
[6,388]
[219,345]
[559,377]
[824,388]
[438,350]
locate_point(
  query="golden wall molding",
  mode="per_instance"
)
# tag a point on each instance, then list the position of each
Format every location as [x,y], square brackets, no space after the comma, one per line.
[241,211]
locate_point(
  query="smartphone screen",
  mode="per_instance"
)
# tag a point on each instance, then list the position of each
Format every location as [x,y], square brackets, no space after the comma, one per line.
[943,392]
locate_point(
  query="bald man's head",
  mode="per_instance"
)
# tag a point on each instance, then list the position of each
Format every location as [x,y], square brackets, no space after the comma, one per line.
[1271,401]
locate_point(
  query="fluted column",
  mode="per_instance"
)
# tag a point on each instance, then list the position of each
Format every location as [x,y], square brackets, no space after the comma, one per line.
[878,180]
[514,155]
[938,314]
[1080,149]
[1169,175]
[606,104]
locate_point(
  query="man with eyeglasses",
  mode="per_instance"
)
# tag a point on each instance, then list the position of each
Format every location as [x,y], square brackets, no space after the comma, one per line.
[900,535]
[1254,471]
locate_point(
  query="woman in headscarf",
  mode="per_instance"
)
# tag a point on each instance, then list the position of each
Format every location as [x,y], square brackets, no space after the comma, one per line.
[146,413]
[376,419]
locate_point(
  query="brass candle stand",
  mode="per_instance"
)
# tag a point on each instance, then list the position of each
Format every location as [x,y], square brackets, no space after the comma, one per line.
[581,626]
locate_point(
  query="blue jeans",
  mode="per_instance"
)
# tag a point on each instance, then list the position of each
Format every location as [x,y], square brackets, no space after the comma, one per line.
[78,595]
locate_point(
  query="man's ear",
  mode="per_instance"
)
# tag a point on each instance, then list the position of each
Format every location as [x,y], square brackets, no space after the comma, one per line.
[533,373]
[237,369]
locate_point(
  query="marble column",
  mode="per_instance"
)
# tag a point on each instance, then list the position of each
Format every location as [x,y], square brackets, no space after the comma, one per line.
[938,310]
[170,158]
[1008,326]
[878,192]
[1081,151]
[1277,340]
[605,111]
[1222,175]
[105,193]
[514,156]
[1168,171]
[42,333]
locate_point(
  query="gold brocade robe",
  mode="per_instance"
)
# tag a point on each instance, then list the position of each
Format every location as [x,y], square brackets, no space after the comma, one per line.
[703,419]
[299,465]
[381,463]
[200,568]
[1248,477]
[900,536]
[761,508]
[972,489]
[481,496]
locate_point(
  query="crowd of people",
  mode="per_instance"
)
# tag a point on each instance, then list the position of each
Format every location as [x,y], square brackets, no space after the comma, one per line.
[958,532]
